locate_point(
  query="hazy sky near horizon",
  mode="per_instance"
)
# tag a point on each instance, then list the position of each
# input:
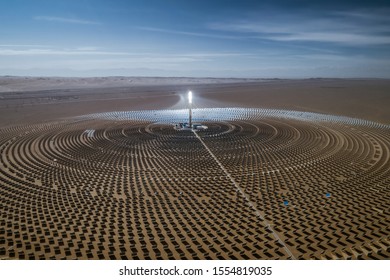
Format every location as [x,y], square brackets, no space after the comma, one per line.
[294,39]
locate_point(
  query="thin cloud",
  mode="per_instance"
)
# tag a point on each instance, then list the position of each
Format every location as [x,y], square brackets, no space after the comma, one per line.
[66,20]
[95,51]
[369,15]
[186,33]
[211,54]
[341,38]
[48,52]
[23,46]
[346,28]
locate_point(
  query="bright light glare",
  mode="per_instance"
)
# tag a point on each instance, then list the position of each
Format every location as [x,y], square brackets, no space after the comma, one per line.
[190,97]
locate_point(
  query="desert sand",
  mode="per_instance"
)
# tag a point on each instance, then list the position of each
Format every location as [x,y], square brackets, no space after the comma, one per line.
[287,169]
[25,100]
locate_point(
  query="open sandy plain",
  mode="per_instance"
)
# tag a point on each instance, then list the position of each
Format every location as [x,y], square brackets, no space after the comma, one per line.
[287,169]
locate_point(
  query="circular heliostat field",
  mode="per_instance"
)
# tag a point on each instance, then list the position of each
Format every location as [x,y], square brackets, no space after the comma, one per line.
[256,184]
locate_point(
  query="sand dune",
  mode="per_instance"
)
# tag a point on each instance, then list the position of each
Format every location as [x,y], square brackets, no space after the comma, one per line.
[16,84]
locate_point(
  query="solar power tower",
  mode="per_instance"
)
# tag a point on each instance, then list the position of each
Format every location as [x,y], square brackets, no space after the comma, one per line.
[190,108]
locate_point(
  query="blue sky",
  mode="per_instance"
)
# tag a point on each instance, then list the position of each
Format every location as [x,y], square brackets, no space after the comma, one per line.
[281,39]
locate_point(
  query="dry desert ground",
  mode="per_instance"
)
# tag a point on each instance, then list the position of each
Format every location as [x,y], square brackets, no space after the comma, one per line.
[92,168]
